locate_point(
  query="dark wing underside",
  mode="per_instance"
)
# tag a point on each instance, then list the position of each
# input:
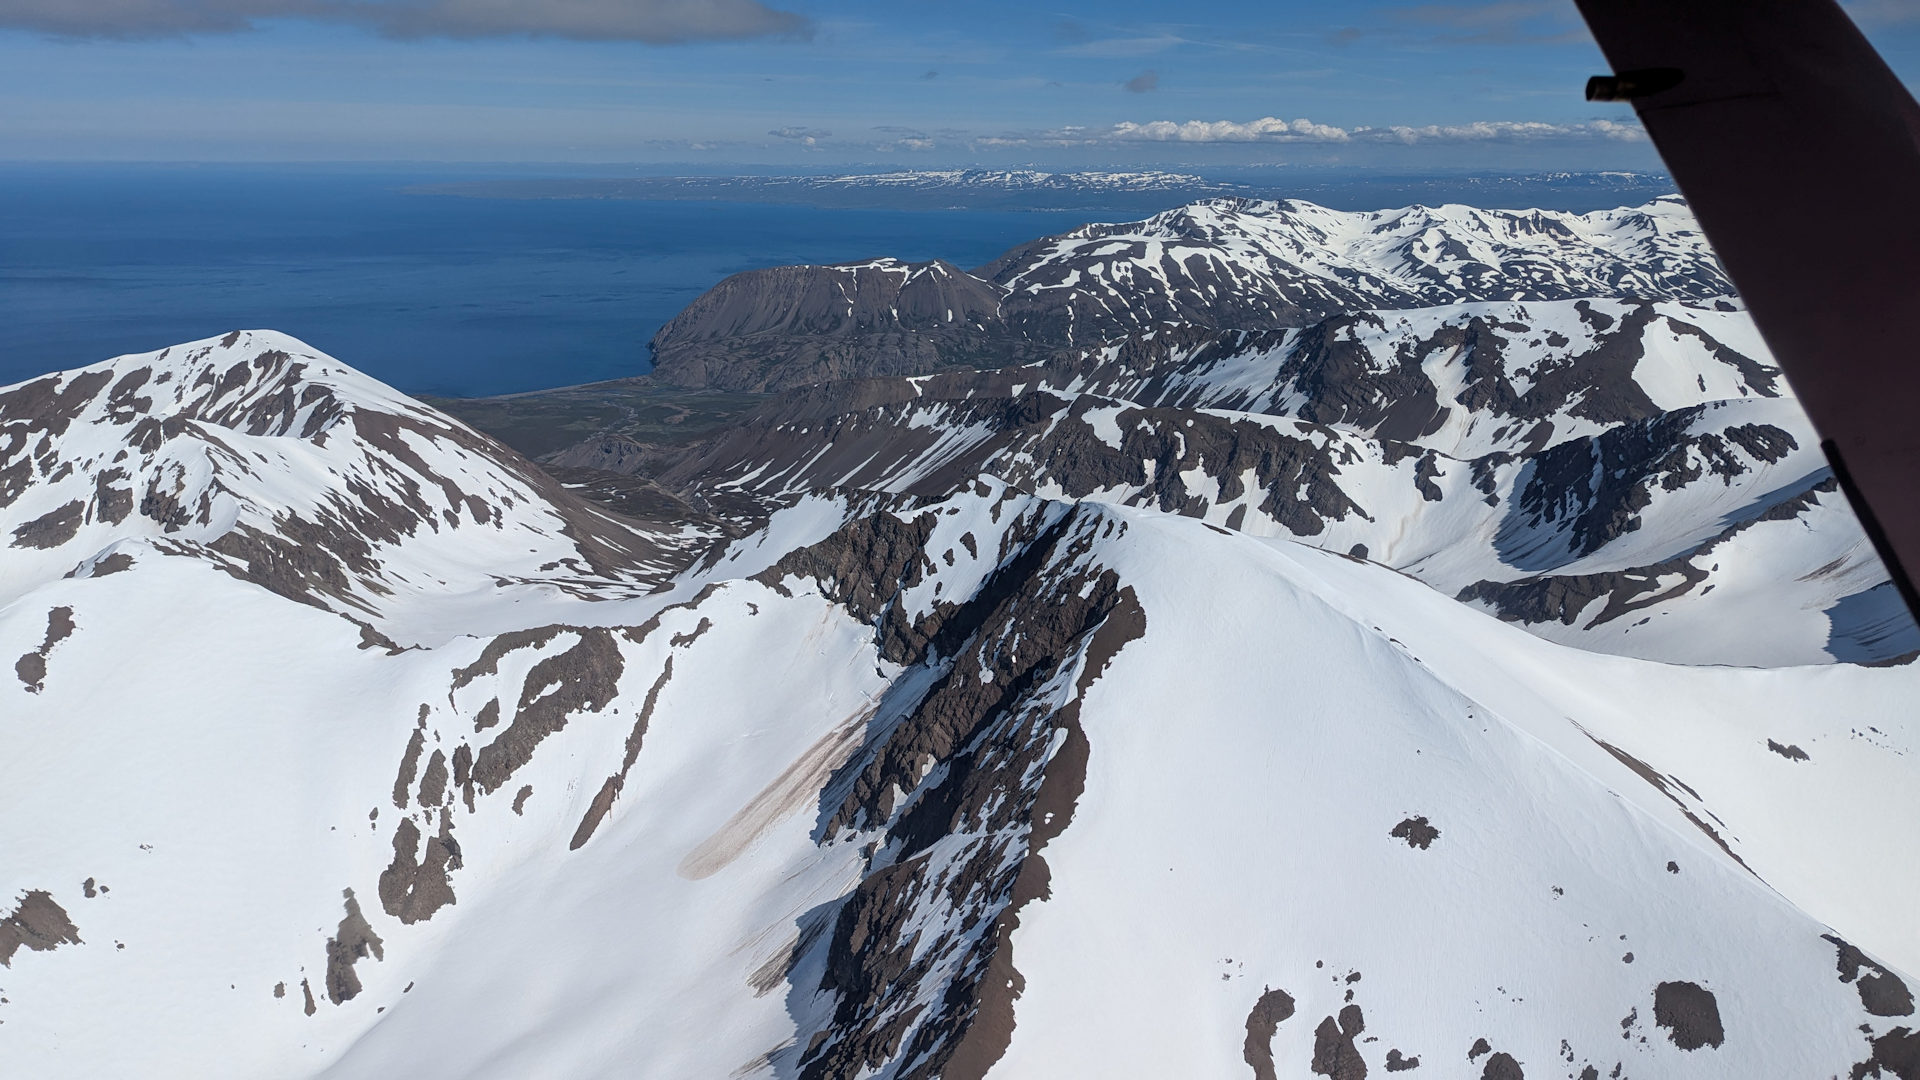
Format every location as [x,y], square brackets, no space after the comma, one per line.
[1799,150]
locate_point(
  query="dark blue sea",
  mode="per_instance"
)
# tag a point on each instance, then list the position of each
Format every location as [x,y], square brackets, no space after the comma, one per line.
[437,294]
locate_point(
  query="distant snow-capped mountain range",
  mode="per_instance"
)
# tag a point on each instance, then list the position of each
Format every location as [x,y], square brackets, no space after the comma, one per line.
[1097,193]
[1225,263]
[1011,179]
[1255,641]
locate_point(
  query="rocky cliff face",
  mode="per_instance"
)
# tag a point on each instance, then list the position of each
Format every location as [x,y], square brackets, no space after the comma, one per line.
[795,325]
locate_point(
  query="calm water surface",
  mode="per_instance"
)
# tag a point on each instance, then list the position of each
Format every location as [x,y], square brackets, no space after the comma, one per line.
[432,293]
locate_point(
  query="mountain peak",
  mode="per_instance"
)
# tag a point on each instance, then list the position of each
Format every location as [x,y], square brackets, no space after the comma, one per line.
[283,466]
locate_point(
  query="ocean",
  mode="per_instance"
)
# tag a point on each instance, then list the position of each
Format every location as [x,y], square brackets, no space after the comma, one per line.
[435,294]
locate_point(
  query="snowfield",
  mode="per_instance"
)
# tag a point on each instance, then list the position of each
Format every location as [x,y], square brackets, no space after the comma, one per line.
[936,776]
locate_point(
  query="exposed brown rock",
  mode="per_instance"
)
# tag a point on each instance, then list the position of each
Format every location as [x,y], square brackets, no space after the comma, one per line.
[610,790]
[412,888]
[1268,1013]
[32,668]
[53,528]
[1334,1053]
[584,678]
[38,923]
[1790,752]
[352,941]
[1897,1053]
[433,782]
[1882,993]
[1689,1013]
[682,640]
[111,504]
[488,662]
[1502,1066]
[113,564]
[410,762]
[1417,832]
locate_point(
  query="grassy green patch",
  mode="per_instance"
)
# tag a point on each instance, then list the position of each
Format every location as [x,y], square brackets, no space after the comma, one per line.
[543,421]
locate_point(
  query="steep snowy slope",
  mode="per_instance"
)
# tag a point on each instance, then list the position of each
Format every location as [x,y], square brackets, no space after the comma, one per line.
[958,784]
[1464,379]
[899,787]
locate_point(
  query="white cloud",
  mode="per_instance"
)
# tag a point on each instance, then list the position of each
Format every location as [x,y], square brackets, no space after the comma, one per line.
[1271,129]
[1502,131]
[1122,48]
[1265,129]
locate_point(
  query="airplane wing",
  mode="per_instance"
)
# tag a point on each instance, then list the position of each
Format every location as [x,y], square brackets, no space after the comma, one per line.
[1799,150]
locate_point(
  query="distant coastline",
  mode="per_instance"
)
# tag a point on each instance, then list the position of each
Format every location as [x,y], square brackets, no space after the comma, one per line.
[1144,192]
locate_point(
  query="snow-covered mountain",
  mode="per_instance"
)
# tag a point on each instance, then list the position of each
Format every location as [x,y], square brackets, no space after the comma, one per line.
[1249,264]
[284,467]
[1490,686]
[961,784]
[1227,263]
[1627,476]
[1026,180]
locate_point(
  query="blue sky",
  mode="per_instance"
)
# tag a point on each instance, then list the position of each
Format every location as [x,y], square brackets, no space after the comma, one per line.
[823,83]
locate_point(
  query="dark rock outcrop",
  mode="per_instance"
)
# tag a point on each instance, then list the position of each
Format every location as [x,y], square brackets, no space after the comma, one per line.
[1689,1013]
[38,923]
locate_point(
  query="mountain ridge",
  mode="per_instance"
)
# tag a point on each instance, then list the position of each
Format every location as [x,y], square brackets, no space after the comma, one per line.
[1491,680]
[848,847]
[1235,264]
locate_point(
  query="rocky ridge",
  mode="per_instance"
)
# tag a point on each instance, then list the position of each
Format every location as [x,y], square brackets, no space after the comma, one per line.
[1235,264]
[1567,464]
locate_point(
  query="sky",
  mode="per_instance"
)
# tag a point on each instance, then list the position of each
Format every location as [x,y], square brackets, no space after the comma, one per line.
[810,85]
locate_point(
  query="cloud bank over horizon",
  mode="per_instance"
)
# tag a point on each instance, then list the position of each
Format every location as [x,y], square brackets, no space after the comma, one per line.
[655,22]
[1273,129]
